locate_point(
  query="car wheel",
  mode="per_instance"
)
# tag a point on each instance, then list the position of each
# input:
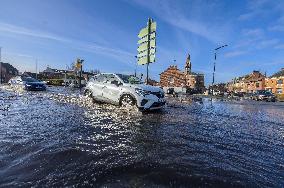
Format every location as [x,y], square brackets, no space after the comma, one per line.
[88,93]
[127,101]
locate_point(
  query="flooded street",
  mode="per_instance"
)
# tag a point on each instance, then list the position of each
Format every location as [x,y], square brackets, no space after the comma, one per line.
[60,138]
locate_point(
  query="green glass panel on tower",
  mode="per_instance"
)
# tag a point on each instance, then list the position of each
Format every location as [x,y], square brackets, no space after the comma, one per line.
[145,53]
[144,46]
[144,31]
[147,43]
[145,38]
[143,60]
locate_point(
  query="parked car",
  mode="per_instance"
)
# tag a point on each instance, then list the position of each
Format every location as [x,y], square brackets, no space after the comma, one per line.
[236,95]
[27,83]
[124,90]
[170,91]
[248,96]
[263,95]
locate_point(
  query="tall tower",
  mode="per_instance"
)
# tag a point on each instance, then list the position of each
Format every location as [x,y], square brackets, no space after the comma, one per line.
[187,65]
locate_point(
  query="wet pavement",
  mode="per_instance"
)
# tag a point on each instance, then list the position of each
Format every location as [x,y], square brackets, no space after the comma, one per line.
[60,138]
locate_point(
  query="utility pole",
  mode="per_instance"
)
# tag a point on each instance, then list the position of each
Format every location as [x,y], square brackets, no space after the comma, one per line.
[135,73]
[148,49]
[80,77]
[213,80]
[65,76]
[79,64]
[0,65]
[215,59]
[36,68]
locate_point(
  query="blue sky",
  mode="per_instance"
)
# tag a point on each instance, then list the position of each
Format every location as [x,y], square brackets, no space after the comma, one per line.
[104,33]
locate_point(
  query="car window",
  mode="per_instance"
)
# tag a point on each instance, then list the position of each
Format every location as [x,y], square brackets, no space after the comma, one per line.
[129,79]
[29,79]
[92,79]
[100,78]
[110,78]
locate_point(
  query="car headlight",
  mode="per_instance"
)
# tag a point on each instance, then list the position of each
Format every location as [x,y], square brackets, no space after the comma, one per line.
[141,92]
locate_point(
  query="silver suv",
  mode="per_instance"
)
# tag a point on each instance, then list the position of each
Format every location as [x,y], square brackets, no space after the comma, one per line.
[124,90]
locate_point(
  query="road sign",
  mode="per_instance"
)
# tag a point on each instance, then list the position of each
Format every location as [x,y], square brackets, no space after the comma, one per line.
[147,44]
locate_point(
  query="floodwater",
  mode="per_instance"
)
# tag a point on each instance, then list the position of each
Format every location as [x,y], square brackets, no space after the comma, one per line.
[59,138]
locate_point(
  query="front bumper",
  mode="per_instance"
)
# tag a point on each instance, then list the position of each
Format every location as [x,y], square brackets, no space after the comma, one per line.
[267,98]
[35,88]
[150,102]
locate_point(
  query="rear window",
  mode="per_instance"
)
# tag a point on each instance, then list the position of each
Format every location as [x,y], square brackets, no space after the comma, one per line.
[29,79]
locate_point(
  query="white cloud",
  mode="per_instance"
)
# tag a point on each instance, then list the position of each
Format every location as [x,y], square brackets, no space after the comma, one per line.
[280,46]
[28,32]
[277,27]
[19,55]
[235,53]
[256,33]
[254,9]
[84,46]
[267,43]
[247,16]
[168,12]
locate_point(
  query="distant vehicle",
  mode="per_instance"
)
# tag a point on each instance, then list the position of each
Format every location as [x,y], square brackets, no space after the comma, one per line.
[124,90]
[170,91]
[248,96]
[27,83]
[263,95]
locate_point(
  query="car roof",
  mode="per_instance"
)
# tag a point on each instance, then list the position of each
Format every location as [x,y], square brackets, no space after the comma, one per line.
[106,73]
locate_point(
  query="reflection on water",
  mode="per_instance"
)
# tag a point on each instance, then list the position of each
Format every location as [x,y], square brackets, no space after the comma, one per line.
[61,138]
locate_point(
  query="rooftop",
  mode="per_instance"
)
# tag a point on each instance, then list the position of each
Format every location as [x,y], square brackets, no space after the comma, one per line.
[278,74]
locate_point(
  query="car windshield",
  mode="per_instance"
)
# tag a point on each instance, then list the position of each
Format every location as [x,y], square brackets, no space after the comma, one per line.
[264,92]
[129,79]
[29,79]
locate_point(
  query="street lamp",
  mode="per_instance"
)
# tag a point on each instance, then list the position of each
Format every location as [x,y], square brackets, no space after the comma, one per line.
[0,65]
[216,49]
[135,73]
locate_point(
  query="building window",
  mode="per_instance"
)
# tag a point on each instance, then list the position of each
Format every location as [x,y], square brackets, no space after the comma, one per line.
[279,90]
[257,84]
[280,81]
[171,80]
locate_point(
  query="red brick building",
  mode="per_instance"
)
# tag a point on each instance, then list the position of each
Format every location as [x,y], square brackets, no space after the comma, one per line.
[248,83]
[175,78]
[275,83]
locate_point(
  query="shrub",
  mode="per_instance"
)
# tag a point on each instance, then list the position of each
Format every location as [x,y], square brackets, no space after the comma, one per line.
[280,97]
[55,82]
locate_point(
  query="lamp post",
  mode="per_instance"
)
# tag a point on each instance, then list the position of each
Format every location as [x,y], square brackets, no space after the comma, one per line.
[135,73]
[81,70]
[216,49]
[0,65]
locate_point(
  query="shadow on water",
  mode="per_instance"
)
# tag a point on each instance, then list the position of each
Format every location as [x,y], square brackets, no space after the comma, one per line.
[60,138]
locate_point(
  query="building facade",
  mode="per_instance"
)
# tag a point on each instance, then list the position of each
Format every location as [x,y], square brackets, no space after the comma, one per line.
[172,77]
[275,83]
[249,83]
